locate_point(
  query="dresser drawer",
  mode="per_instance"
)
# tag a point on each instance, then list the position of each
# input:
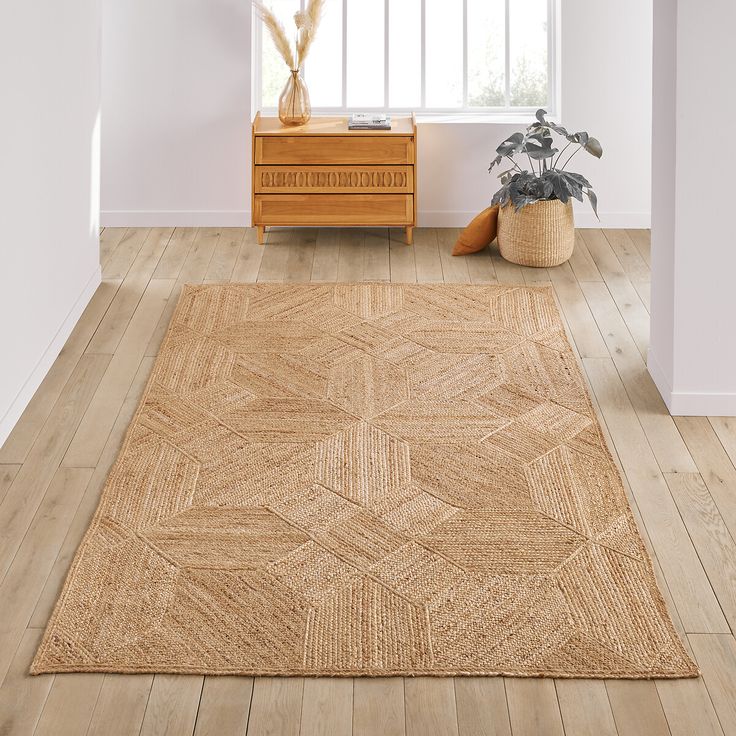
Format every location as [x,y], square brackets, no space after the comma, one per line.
[333,209]
[334,179]
[292,150]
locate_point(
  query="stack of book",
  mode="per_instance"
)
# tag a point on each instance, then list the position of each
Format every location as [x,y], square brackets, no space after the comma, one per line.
[369,121]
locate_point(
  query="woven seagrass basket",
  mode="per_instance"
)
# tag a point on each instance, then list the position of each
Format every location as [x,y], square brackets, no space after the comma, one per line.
[540,235]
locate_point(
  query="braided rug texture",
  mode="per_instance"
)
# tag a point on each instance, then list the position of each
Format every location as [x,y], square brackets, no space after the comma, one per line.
[364,479]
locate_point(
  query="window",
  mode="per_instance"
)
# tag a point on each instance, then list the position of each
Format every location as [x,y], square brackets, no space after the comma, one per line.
[443,56]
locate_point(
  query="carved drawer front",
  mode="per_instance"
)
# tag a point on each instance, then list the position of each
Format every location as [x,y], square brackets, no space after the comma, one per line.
[335,179]
[333,209]
[336,149]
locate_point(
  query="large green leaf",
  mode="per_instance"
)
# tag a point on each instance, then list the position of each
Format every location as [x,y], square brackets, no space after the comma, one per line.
[575,190]
[573,184]
[593,146]
[496,161]
[505,176]
[543,122]
[581,138]
[541,138]
[520,199]
[560,185]
[547,188]
[593,201]
[513,144]
[578,178]
[501,197]
[538,153]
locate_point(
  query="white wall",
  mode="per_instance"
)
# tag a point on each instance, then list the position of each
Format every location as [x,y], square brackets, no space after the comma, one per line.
[49,195]
[176,106]
[176,90]
[693,345]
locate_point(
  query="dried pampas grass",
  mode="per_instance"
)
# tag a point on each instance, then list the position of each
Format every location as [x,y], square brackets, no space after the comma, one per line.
[313,15]
[306,21]
[277,32]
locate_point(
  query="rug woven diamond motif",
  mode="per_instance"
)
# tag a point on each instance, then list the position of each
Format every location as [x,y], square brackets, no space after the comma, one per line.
[364,479]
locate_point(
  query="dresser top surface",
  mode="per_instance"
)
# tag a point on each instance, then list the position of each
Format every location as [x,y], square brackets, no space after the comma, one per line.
[271,125]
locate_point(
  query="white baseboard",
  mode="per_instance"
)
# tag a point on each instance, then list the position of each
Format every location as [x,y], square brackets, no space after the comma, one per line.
[618,220]
[17,407]
[690,404]
[444,218]
[425,218]
[614,220]
[659,378]
[702,405]
[175,218]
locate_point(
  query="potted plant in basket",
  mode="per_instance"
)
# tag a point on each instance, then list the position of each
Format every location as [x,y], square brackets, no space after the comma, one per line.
[535,221]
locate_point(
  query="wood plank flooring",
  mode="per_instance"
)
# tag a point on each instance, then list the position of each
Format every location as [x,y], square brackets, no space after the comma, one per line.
[680,475]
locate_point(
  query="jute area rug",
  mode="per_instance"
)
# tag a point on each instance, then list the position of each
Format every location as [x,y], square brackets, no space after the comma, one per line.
[364,479]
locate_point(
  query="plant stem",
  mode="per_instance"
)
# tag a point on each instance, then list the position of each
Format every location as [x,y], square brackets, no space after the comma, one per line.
[515,164]
[571,157]
[531,163]
[569,143]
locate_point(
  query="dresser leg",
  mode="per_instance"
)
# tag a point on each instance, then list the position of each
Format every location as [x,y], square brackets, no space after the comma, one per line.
[261,231]
[409,235]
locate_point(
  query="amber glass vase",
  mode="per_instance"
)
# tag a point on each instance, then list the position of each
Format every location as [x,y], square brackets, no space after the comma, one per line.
[294,107]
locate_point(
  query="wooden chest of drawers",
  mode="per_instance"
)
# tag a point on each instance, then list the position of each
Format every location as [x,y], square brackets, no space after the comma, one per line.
[322,174]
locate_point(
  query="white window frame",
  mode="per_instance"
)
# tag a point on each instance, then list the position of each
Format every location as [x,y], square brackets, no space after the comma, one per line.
[502,112]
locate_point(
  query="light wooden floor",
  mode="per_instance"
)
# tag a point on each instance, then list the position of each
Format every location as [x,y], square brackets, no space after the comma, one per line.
[680,474]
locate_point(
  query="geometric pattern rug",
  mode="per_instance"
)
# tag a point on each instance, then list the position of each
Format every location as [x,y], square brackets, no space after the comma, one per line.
[364,479]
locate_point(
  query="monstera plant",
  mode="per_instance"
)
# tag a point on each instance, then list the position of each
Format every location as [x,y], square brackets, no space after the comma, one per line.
[536,223]
[547,177]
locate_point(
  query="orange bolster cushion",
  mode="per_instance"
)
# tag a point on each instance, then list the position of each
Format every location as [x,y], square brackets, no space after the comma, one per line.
[479,233]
